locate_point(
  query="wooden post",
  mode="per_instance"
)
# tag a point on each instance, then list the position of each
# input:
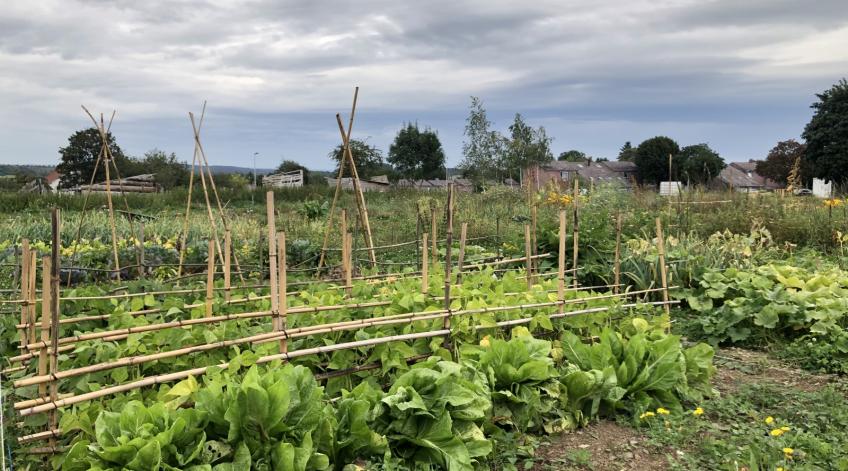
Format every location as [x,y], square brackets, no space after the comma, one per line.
[448,261]
[348,244]
[528,256]
[561,261]
[45,322]
[533,245]
[575,232]
[25,267]
[463,235]
[272,261]
[663,268]
[228,248]
[54,312]
[425,266]
[141,250]
[283,288]
[210,277]
[434,235]
[33,316]
[617,262]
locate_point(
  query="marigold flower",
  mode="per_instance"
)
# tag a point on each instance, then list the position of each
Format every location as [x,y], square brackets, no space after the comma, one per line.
[779,468]
[698,411]
[663,411]
[646,415]
[769,420]
[777,432]
[784,428]
[788,451]
[485,342]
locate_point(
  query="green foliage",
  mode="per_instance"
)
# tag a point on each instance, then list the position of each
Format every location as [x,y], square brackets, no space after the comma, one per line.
[780,159]
[368,159]
[826,135]
[651,159]
[167,170]
[483,150]
[78,158]
[770,302]
[698,164]
[573,156]
[313,210]
[417,154]
[526,147]
[627,153]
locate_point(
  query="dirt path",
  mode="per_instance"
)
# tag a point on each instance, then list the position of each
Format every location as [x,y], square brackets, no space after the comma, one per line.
[608,446]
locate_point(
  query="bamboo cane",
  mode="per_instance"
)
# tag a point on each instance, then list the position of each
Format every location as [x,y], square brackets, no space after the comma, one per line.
[228,247]
[141,251]
[210,277]
[617,261]
[663,267]
[576,229]
[26,266]
[448,262]
[425,266]
[212,224]
[184,233]
[283,289]
[43,360]
[32,311]
[56,228]
[528,256]
[272,259]
[561,260]
[463,234]
[434,228]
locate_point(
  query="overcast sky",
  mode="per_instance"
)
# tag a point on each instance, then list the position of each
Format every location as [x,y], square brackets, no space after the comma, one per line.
[738,75]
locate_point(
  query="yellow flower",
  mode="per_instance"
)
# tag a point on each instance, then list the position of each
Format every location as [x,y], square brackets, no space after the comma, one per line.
[769,420]
[663,411]
[646,415]
[698,411]
[776,432]
[784,428]
[485,342]
[788,451]
[779,468]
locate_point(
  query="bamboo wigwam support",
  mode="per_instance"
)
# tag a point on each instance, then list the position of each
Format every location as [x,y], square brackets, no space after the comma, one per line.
[210,277]
[561,260]
[575,229]
[448,261]
[26,266]
[528,256]
[228,248]
[283,288]
[272,260]
[425,266]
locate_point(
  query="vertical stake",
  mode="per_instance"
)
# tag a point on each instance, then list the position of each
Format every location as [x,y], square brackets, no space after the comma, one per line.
[272,261]
[448,261]
[528,256]
[463,235]
[141,250]
[33,315]
[575,232]
[54,313]
[617,263]
[663,269]
[210,277]
[533,245]
[348,244]
[283,288]
[25,267]
[434,233]
[561,262]
[425,266]
[228,248]
[45,322]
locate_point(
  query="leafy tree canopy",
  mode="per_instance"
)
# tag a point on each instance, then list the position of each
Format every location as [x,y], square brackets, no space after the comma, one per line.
[698,164]
[627,153]
[368,159]
[417,154]
[651,159]
[780,159]
[526,147]
[79,157]
[291,166]
[167,170]
[483,150]
[573,156]
[827,135]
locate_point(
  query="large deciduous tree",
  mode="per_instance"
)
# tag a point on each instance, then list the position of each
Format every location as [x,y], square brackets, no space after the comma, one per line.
[780,159]
[483,149]
[79,157]
[651,159]
[827,135]
[526,147]
[368,159]
[417,154]
[698,164]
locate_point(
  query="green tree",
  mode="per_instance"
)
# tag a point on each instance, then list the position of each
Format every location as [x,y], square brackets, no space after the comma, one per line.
[417,154]
[368,159]
[483,150]
[79,157]
[167,170]
[627,153]
[573,156]
[526,147]
[698,164]
[651,159]
[780,159]
[827,135]
[292,166]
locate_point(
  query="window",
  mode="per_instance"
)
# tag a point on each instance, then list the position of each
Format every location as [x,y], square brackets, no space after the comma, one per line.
[566,175]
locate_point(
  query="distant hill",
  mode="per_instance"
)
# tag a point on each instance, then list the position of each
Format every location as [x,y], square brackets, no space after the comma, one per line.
[222,169]
[30,170]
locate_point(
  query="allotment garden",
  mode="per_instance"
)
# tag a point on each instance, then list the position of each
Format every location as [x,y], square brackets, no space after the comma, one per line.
[578,329]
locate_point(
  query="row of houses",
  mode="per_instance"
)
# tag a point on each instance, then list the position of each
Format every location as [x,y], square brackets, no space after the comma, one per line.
[739,176]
